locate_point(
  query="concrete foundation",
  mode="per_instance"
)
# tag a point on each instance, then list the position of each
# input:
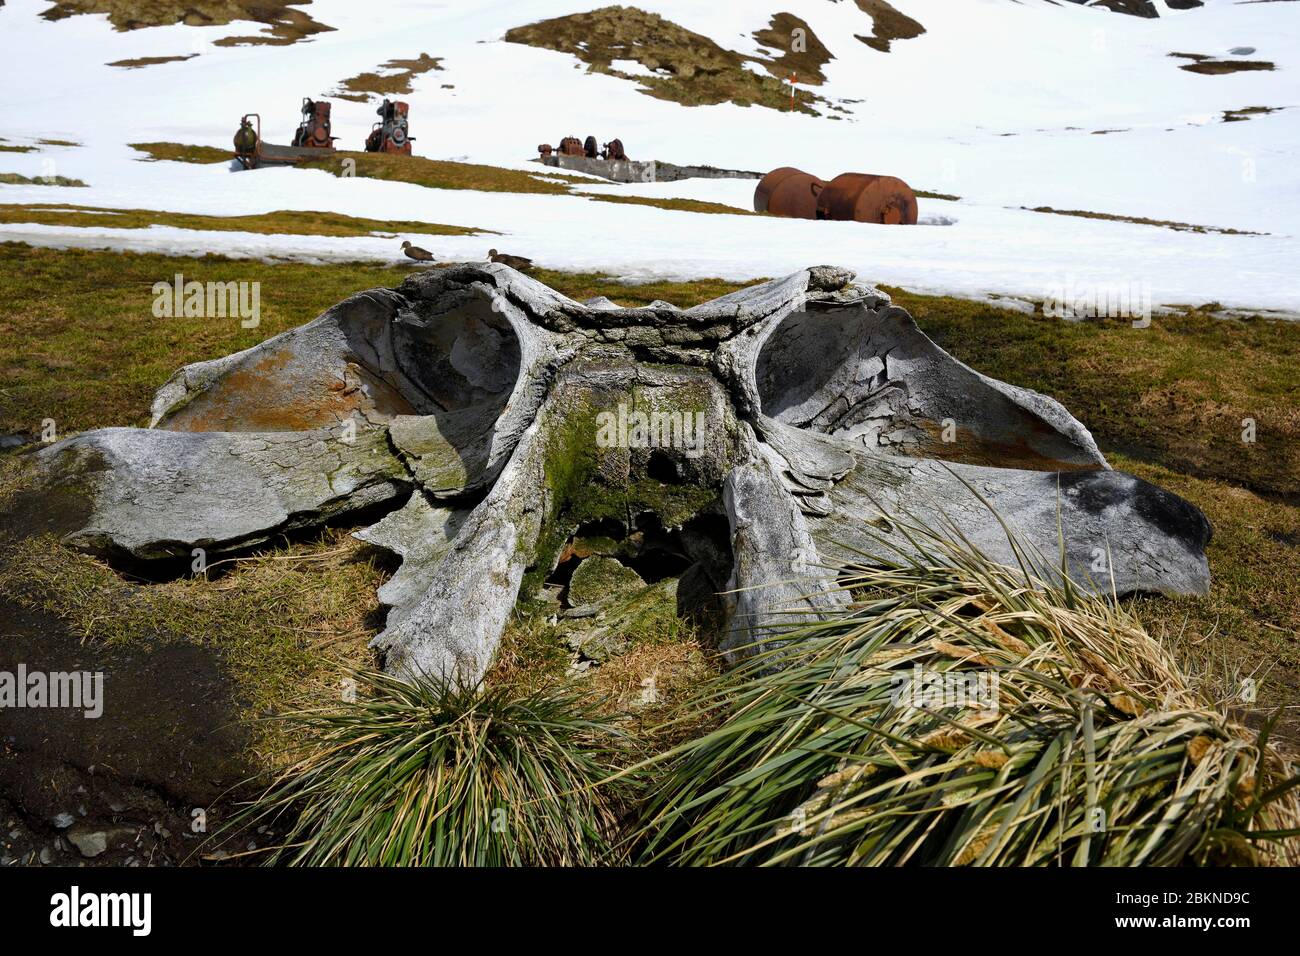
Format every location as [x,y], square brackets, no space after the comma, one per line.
[642,171]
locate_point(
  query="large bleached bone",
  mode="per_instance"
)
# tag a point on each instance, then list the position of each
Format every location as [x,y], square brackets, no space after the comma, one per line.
[494,418]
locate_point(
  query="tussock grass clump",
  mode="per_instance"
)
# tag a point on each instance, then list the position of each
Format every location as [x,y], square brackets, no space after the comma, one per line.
[1079,743]
[419,774]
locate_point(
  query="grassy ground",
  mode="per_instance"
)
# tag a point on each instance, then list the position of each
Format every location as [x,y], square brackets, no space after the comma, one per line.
[183,153]
[14,179]
[79,344]
[1143,221]
[395,81]
[286,23]
[139,62]
[691,69]
[888,24]
[442,174]
[679,205]
[291,222]
[434,173]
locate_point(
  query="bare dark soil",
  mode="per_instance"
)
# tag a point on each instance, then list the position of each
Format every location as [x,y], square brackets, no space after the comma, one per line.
[146,778]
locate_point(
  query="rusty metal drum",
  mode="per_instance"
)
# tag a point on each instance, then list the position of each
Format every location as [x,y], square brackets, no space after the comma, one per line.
[866,197]
[788,192]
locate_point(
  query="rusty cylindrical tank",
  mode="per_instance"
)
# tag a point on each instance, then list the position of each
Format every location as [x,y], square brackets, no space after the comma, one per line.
[865,197]
[788,192]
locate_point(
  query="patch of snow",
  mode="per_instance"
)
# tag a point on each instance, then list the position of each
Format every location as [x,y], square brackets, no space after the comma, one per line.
[934,111]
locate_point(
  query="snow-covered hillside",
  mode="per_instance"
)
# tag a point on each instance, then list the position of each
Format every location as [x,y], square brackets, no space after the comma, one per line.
[1008,105]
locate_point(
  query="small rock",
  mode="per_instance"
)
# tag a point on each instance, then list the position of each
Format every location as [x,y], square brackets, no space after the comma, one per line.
[599,579]
[91,843]
[64,820]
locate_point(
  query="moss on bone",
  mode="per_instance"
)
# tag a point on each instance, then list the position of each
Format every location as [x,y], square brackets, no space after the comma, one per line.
[585,485]
[599,578]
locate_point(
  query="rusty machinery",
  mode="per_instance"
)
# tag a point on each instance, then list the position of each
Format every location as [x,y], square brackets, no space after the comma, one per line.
[850,197]
[572,146]
[247,140]
[391,134]
[252,151]
[314,130]
[312,140]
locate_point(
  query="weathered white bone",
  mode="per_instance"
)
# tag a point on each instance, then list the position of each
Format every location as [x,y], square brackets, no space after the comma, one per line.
[471,397]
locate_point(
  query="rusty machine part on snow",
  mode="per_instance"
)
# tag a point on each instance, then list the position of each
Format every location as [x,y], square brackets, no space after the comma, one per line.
[252,151]
[570,146]
[590,148]
[391,134]
[849,197]
[314,130]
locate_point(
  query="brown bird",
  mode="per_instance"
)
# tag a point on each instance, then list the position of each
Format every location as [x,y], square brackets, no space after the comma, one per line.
[416,253]
[518,263]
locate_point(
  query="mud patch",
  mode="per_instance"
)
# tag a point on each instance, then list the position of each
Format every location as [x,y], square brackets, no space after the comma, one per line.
[168,744]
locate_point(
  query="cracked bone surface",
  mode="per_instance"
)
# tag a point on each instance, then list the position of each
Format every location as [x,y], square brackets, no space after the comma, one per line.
[491,418]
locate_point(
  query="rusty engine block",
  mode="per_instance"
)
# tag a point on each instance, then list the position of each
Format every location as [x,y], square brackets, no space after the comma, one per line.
[391,134]
[590,148]
[314,130]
